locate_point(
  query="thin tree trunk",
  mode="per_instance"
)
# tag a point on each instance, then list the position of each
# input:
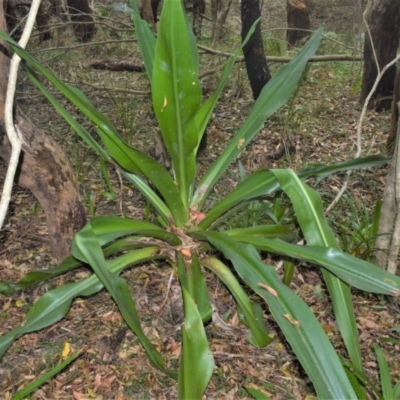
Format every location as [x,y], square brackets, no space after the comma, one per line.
[395,113]
[44,170]
[81,12]
[256,63]
[297,17]
[219,12]
[384,26]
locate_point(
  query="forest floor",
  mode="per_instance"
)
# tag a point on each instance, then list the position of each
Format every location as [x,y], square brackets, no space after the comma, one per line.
[317,126]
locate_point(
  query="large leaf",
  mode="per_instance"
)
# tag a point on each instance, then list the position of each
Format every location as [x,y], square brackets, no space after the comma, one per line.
[54,305]
[192,279]
[299,325]
[176,92]
[264,231]
[258,335]
[355,272]
[272,97]
[263,182]
[309,211]
[90,248]
[197,363]
[205,111]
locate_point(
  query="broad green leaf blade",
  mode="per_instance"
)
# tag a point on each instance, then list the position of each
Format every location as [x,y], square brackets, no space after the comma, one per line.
[145,38]
[384,374]
[260,183]
[288,272]
[358,273]
[300,327]
[273,96]
[54,305]
[176,93]
[265,231]
[90,248]
[258,335]
[309,211]
[192,279]
[396,390]
[356,163]
[205,111]
[110,227]
[263,182]
[26,391]
[197,363]
[35,277]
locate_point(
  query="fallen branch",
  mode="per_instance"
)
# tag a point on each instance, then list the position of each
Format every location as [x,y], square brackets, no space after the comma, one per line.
[325,58]
[117,66]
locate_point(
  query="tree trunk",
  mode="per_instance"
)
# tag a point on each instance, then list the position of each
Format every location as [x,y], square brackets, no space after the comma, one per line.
[59,9]
[219,12]
[81,12]
[199,9]
[148,10]
[297,17]
[384,25]
[256,63]
[395,113]
[14,11]
[44,170]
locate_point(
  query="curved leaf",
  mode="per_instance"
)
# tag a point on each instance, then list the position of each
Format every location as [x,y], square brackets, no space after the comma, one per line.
[265,231]
[176,93]
[193,280]
[299,325]
[355,272]
[309,211]
[258,336]
[272,97]
[54,305]
[197,363]
[90,248]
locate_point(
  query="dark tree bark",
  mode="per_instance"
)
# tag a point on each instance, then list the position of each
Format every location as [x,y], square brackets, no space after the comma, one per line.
[384,25]
[44,170]
[297,17]
[81,13]
[148,10]
[198,8]
[395,113]
[16,9]
[256,63]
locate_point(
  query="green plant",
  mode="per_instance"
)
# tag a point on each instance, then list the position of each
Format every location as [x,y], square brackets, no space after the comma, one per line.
[361,381]
[357,230]
[189,237]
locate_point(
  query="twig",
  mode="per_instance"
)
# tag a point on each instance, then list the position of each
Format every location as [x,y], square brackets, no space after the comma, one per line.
[13,133]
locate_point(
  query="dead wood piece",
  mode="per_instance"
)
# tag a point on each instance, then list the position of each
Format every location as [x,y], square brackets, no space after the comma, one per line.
[117,66]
